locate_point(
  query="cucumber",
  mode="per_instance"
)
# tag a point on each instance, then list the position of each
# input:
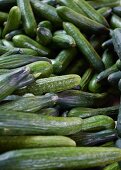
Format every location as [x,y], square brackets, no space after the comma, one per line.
[11,34]
[86,78]
[105,11]
[63,41]
[104,3]
[44,35]
[117,10]
[83,23]
[107,58]
[13,21]
[20,123]
[107,44]
[26,81]
[85,47]
[114,78]
[97,123]
[3,17]
[26,42]
[60,32]
[84,112]
[52,84]
[63,59]
[91,12]
[92,139]
[7,43]
[46,24]
[20,142]
[49,112]
[17,60]
[31,103]
[77,98]
[115,21]
[53,158]
[46,11]
[118,127]
[28,20]
[116,41]
[113,166]
[50,2]
[9,81]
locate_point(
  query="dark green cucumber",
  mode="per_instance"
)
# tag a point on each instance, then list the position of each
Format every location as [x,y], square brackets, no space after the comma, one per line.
[118,145]
[115,21]
[7,43]
[86,78]
[85,24]
[26,81]
[104,3]
[12,51]
[85,112]
[46,11]
[97,123]
[9,81]
[23,142]
[53,84]
[76,98]
[20,123]
[113,166]
[118,127]
[46,24]
[13,20]
[85,47]
[117,10]
[92,139]
[49,112]
[50,2]
[31,104]
[3,17]
[63,59]
[91,12]
[63,41]
[11,34]
[44,35]
[104,74]
[107,58]
[114,78]
[60,32]
[105,11]
[28,20]
[52,158]
[71,4]
[26,42]
[108,44]
[116,41]
[18,60]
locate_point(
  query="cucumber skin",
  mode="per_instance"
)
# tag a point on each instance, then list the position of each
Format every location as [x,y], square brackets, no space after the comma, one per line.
[53,158]
[20,123]
[85,47]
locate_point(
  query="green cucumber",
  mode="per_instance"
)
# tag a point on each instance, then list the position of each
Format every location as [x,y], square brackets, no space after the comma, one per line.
[104,3]
[23,142]
[113,166]
[9,81]
[3,17]
[46,24]
[13,21]
[85,47]
[118,127]
[63,41]
[20,123]
[46,11]
[105,11]
[60,32]
[77,98]
[11,34]
[7,43]
[49,112]
[92,139]
[31,103]
[28,20]
[26,81]
[108,44]
[115,21]
[91,12]
[117,10]
[114,78]
[116,41]
[26,42]
[107,58]
[50,2]
[83,23]
[63,59]
[44,35]
[53,158]
[86,78]
[84,112]
[52,84]
[97,123]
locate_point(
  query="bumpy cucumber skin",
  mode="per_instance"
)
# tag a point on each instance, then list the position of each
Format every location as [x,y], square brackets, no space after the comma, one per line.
[54,158]
[85,47]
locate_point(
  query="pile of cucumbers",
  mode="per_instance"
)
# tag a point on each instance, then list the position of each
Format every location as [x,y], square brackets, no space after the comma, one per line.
[60,84]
